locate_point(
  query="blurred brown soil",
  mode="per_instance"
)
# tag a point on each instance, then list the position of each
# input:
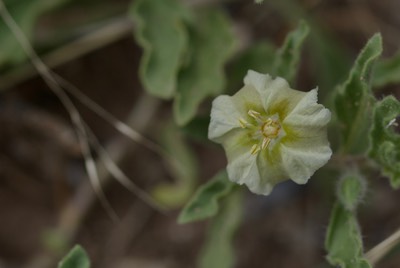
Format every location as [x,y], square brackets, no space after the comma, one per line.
[41,167]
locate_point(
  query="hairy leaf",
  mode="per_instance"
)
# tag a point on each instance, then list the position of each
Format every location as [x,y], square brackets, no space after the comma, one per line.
[384,142]
[286,63]
[76,258]
[211,45]
[160,30]
[218,249]
[205,202]
[353,99]
[351,190]
[343,241]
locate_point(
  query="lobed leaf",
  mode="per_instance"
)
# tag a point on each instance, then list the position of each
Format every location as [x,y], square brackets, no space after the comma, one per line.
[343,241]
[354,99]
[205,202]
[217,251]
[286,62]
[211,45]
[76,258]
[384,142]
[160,30]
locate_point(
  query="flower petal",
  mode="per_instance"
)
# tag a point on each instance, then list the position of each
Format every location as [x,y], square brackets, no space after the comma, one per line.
[308,112]
[224,117]
[301,163]
[247,98]
[271,173]
[276,94]
[257,80]
[242,165]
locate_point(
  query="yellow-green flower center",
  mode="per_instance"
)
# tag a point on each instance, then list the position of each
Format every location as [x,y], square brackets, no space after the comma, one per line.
[264,130]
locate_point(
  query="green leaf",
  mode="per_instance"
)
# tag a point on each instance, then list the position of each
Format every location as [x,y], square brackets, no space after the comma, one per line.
[211,44]
[384,142]
[351,190]
[387,71]
[353,99]
[258,57]
[343,241]
[286,63]
[185,169]
[329,59]
[197,129]
[76,258]
[217,251]
[160,30]
[25,13]
[204,203]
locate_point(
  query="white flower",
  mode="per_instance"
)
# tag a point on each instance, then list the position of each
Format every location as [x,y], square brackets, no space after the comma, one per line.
[270,133]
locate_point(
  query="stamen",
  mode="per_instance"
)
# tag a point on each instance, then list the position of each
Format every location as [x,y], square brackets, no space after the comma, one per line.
[265,143]
[256,115]
[255,149]
[243,123]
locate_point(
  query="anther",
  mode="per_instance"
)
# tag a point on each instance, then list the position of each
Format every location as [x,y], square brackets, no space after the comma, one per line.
[265,143]
[243,123]
[255,149]
[254,114]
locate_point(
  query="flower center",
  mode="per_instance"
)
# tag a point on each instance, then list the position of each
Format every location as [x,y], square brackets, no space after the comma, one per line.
[264,131]
[270,129]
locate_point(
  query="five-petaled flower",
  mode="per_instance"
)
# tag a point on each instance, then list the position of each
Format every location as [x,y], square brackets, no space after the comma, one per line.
[270,132]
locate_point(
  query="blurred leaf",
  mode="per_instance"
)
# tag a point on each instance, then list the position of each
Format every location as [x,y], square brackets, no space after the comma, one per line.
[217,251]
[351,190]
[384,142]
[329,59]
[204,203]
[76,258]
[387,71]
[353,99]
[25,13]
[198,128]
[161,32]
[184,169]
[211,45]
[258,57]
[287,59]
[343,241]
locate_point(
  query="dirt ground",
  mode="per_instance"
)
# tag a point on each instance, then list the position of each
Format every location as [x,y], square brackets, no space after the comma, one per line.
[46,201]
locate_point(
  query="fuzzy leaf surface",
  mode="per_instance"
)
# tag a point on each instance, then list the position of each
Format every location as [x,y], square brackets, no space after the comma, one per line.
[205,202]
[343,241]
[384,141]
[351,190]
[353,100]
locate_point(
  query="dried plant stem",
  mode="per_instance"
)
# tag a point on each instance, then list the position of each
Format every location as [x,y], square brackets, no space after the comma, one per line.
[119,28]
[382,249]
